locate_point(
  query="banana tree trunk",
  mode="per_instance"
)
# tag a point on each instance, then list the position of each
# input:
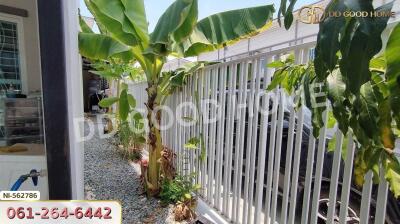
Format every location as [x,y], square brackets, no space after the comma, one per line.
[155,141]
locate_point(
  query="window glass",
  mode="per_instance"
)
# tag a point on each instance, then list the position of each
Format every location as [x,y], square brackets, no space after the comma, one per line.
[9,57]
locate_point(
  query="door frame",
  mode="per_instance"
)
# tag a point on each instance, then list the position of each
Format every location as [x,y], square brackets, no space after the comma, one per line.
[62,98]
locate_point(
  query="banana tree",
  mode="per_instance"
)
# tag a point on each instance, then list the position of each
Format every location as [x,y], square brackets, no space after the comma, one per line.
[178,33]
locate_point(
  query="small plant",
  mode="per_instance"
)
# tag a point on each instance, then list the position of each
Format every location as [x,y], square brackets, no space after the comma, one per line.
[131,138]
[181,192]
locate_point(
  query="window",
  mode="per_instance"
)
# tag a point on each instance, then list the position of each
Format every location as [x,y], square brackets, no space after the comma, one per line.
[10,76]
[311,54]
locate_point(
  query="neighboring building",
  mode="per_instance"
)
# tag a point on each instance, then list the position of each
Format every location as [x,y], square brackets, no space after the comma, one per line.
[175,63]
[277,38]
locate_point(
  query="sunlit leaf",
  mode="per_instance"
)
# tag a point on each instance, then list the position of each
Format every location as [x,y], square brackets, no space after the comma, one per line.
[123,105]
[193,143]
[131,101]
[107,102]
[392,174]
[226,28]
[392,55]
[174,26]
[98,46]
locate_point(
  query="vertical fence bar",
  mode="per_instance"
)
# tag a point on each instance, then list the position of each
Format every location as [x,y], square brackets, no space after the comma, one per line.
[185,130]
[210,182]
[296,165]
[175,131]
[193,126]
[289,152]
[229,138]
[348,172]
[206,114]
[301,58]
[277,162]
[199,124]
[271,155]
[318,170]
[262,146]
[335,177]
[366,198]
[220,135]
[179,136]
[288,166]
[309,176]
[239,143]
[254,135]
[250,123]
[380,214]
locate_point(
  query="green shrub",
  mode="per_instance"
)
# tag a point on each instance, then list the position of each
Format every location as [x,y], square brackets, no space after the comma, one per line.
[180,189]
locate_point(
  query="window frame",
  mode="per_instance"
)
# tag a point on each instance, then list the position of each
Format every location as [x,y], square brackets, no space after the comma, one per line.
[18,20]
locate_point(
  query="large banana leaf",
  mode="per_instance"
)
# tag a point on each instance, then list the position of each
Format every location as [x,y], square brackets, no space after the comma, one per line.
[128,29]
[98,46]
[135,11]
[174,26]
[226,28]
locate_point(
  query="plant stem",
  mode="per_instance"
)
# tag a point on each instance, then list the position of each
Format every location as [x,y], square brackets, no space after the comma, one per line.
[155,140]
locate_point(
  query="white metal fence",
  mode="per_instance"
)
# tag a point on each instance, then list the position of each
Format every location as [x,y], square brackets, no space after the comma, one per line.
[262,162]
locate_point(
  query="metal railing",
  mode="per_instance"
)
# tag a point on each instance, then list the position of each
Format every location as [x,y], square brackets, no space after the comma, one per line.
[262,163]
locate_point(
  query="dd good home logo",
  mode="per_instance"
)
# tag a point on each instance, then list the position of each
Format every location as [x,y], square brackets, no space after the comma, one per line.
[311,14]
[316,14]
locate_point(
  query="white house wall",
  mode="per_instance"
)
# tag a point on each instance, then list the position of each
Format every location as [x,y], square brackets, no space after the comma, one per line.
[276,37]
[31,57]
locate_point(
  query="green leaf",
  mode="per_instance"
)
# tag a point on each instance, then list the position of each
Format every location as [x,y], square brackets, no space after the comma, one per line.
[140,140]
[123,105]
[378,64]
[337,96]
[100,47]
[227,28]
[289,14]
[276,64]
[105,74]
[392,174]
[331,120]
[111,14]
[174,26]
[366,159]
[328,40]
[392,55]
[277,79]
[364,115]
[178,79]
[137,117]
[188,196]
[193,143]
[361,35]
[107,102]
[124,86]
[385,125]
[132,101]
[188,119]
[136,13]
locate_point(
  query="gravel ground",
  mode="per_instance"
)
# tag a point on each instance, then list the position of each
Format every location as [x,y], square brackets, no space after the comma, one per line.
[109,177]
